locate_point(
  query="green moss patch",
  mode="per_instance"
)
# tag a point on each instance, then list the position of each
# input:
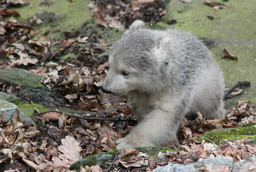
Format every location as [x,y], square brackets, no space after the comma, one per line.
[57,17]
[220,136]
[29,109]
[101,159]
[21,77]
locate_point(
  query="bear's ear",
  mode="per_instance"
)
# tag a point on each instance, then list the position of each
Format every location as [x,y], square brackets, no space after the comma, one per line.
[162,42]
[136,25]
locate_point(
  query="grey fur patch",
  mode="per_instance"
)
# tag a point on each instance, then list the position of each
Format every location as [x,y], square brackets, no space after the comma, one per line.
[171,74]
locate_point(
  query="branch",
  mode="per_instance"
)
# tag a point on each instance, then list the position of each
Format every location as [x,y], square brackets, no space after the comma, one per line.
[239,84]
[88,118]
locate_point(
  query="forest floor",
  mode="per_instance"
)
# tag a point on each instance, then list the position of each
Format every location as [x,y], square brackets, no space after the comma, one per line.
[72,117]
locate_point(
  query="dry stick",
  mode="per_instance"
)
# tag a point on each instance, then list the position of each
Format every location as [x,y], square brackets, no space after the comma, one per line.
[239,84]
[215,144]
[2,134]
[88,118]
[113,161]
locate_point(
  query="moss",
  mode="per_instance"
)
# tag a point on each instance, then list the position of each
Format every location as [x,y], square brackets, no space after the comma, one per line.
[68,56]
[153,151]
[21,77]
[28,109]
[101,159]
[219,136]
[57,17]
[160,25]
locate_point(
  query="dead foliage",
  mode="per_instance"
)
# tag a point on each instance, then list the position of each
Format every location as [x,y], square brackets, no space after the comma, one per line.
[58,140]
[120,14]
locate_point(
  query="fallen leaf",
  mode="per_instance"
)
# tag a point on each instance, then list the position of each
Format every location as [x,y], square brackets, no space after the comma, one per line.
[70,149]
[8,12]
[12,20]
[50,116]
[82,40]
[17,2]
[66,44]
[186,1]
[138,2]
[2,30]
[229,55]
[35,21]
[215,5]
[71,97]
[95,168]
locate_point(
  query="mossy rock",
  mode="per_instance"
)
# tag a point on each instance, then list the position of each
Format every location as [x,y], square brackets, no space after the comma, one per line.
[8,97]
[220,136]
[104,159]
[28,109]
[101,159]
[21,77]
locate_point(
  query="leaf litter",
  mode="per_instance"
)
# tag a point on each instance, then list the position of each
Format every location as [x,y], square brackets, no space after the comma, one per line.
[58,140]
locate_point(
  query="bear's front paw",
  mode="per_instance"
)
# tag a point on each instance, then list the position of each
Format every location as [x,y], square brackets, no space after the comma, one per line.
[133,140]
[123,143]
[174,144]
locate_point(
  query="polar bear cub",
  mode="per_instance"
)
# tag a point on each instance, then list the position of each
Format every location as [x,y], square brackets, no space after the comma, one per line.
[166,75]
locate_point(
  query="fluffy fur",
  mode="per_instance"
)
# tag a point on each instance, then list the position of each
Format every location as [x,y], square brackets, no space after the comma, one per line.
[166,75]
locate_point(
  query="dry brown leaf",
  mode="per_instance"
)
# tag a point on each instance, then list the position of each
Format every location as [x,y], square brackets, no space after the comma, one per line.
[50,116]
[71,97]
[186,1]
[98,17]
[17,2]
[2,30]
[229,55]
[28,162]
[35,21]
[31,132]
[12,20]
[24,59]
[70,149]
[138,2]
[90,149]
[250,148]
[62,121]
[8,12]
[66,44]
[95,168]
[235,92]
[215,5]
[82,40]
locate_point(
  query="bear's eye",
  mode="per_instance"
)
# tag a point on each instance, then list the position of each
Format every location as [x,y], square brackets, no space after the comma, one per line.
[107,68]
[125,73]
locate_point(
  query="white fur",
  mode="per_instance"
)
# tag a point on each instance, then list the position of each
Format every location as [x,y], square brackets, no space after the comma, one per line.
[171,74]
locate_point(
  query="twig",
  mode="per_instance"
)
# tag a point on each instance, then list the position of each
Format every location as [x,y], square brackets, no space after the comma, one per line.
[218,147]
[239,84]
[88,118]
[113,161]
[2,134]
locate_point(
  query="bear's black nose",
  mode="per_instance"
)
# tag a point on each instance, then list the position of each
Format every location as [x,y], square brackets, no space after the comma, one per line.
[106,91]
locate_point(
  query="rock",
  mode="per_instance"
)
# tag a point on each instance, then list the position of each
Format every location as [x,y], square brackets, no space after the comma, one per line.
[212,164]
[8,97]
[7,110]
[21,77]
